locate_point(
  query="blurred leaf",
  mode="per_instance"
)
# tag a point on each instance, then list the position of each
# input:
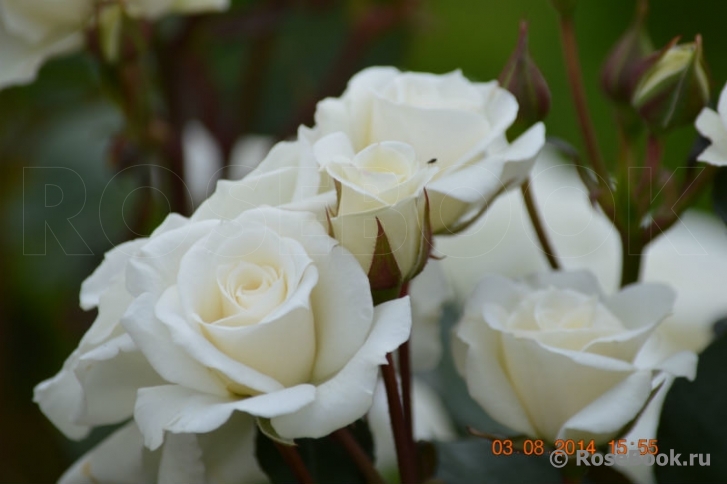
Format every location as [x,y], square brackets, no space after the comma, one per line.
[472,461]
[694,420]
[451,387]
[324,458]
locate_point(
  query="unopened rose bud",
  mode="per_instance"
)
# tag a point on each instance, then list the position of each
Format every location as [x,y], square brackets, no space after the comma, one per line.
[673,90]
[525,81]
[620,72]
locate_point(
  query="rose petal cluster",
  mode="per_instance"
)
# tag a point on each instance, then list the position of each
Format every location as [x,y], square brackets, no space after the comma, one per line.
[450,122]
[552,357]
[250,315]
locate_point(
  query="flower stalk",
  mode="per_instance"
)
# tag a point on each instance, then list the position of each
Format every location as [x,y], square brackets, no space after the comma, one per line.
[537,222]
[404,450]
[295,462]
[359,457]
[575,79]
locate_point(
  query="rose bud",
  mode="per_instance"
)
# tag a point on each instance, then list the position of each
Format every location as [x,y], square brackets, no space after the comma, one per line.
[673,91]
[619,74]
[524,80]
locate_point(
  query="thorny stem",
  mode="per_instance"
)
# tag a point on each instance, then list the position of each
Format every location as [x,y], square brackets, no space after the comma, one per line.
[359,457]
[537,222]
[295,462]
[404,454]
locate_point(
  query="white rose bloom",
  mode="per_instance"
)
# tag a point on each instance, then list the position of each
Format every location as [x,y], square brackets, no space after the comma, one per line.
[336,341]
[378,188]
[713,125]
[223,456]
[446,118]
[553,358]
[691,257]
[31,31]
[266,315]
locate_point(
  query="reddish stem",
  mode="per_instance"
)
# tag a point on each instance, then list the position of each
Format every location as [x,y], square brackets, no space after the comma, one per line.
[295,462]
[359,457]
[404,455]
[575,79]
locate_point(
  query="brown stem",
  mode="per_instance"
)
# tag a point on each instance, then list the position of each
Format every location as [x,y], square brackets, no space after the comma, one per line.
[404,455]
[295,462]
[537,222]
[405,373]
[575,79]
[359,457]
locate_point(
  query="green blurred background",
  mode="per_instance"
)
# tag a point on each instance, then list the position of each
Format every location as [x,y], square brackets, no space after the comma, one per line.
[64,121]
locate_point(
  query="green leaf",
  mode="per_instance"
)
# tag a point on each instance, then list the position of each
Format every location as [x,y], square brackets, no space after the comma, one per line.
[324,458]
[694,421]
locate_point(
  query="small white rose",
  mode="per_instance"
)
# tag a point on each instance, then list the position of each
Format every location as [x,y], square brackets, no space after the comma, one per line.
[713,125]
[266,315]
[446,118]
[382,185]
[553,358]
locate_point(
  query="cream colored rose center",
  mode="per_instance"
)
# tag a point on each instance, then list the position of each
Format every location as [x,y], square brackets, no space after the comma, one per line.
[555,309]
[246,285]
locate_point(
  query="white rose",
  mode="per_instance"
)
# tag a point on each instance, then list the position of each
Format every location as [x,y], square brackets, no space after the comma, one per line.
[444,117]
[691,257]
[31,31]
[380,188]
[219,457]
[553,358]
[713,125]
[266,315]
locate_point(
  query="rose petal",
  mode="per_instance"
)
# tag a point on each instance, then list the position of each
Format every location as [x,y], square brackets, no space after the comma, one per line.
[110,269]
[605,416]
[169,360]
[110,376]
[181,460]
[347,396]
[178,409]
[120,458]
